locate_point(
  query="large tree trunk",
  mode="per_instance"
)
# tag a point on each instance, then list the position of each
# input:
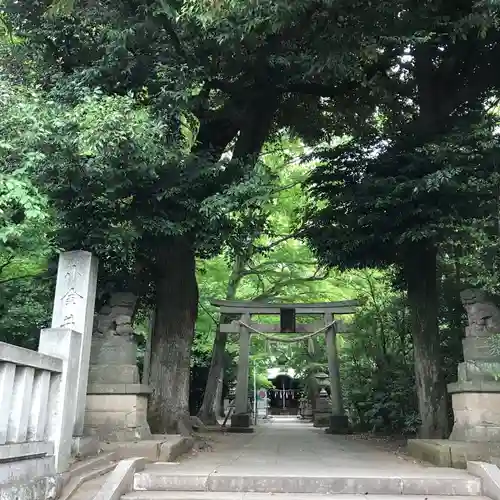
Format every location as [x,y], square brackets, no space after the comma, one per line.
[246,151]
[421,279]
[176,310]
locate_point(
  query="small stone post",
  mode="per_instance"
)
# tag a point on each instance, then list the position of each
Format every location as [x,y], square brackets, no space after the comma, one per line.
[63,398]
[74,304]
[338,420]
[240,420]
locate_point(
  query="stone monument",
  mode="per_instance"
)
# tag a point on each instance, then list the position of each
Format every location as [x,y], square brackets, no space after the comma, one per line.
[116,401]
[476,394]
[74,304]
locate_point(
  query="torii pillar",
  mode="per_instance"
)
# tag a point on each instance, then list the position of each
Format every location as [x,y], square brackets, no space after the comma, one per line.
[339,423]
[241,418]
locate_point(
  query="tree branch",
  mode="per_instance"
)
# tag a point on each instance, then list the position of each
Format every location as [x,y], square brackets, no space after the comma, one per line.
[15,278]
[10,258]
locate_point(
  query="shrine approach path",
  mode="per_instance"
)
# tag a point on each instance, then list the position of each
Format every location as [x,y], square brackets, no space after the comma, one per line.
[287,456]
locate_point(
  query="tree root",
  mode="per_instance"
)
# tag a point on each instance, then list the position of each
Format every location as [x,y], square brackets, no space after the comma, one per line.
[189,426]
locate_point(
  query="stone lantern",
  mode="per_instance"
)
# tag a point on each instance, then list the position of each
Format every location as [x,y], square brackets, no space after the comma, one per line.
[323,410]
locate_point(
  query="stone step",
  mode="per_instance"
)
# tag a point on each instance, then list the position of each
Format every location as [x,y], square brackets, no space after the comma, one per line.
[208,495]
[427,481]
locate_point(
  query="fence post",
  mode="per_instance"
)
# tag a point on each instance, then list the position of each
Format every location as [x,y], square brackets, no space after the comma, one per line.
[63,395]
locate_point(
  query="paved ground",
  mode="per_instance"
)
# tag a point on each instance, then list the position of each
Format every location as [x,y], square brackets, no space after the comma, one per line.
[290,446]
[288,456]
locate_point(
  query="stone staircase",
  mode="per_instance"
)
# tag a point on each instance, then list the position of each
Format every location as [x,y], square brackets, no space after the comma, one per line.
[190,495]
[160,482]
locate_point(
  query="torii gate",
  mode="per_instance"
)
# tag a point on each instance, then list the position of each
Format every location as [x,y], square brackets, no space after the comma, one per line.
[241,419]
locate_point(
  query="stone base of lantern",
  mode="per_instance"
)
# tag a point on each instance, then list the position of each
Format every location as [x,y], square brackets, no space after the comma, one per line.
[117,412]
[241,423]
[321,419]
[338,424]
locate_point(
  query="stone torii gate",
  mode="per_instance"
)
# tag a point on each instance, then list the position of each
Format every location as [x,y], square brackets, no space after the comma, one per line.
[327,311]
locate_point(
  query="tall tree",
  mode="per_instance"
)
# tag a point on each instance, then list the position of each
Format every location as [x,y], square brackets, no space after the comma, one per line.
[409,180]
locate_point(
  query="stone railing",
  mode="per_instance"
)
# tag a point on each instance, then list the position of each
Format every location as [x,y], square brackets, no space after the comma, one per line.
[37,405]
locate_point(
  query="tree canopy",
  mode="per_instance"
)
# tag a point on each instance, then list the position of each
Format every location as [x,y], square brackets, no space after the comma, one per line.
[174,140]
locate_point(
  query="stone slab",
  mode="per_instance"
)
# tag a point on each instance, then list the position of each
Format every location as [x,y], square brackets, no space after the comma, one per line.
[474,386]
[21,451]
[117,417]
[477,416]
[116,402]
[478,349]
[342,481]
[163,448]
[338,424]
[25,470]
[25,357]
[208,495]
[240,430]
[447,453]
[83,447]
[114,374]
[113,350]
[241,421]
[478,370]
[490,477]
[321,419]
[118,389]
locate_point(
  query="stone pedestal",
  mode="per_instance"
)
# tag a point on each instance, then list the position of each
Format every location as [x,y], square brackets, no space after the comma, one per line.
[476,407]
[476,395]
[338,424]
[117,412]
[116,402]
[241,423]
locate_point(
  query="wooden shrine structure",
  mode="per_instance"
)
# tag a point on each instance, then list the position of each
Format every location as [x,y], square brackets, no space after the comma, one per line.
[326,323]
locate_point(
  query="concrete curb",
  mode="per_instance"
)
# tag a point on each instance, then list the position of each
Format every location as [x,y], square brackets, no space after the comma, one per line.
[159,449]
[490,478]
[120,481]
